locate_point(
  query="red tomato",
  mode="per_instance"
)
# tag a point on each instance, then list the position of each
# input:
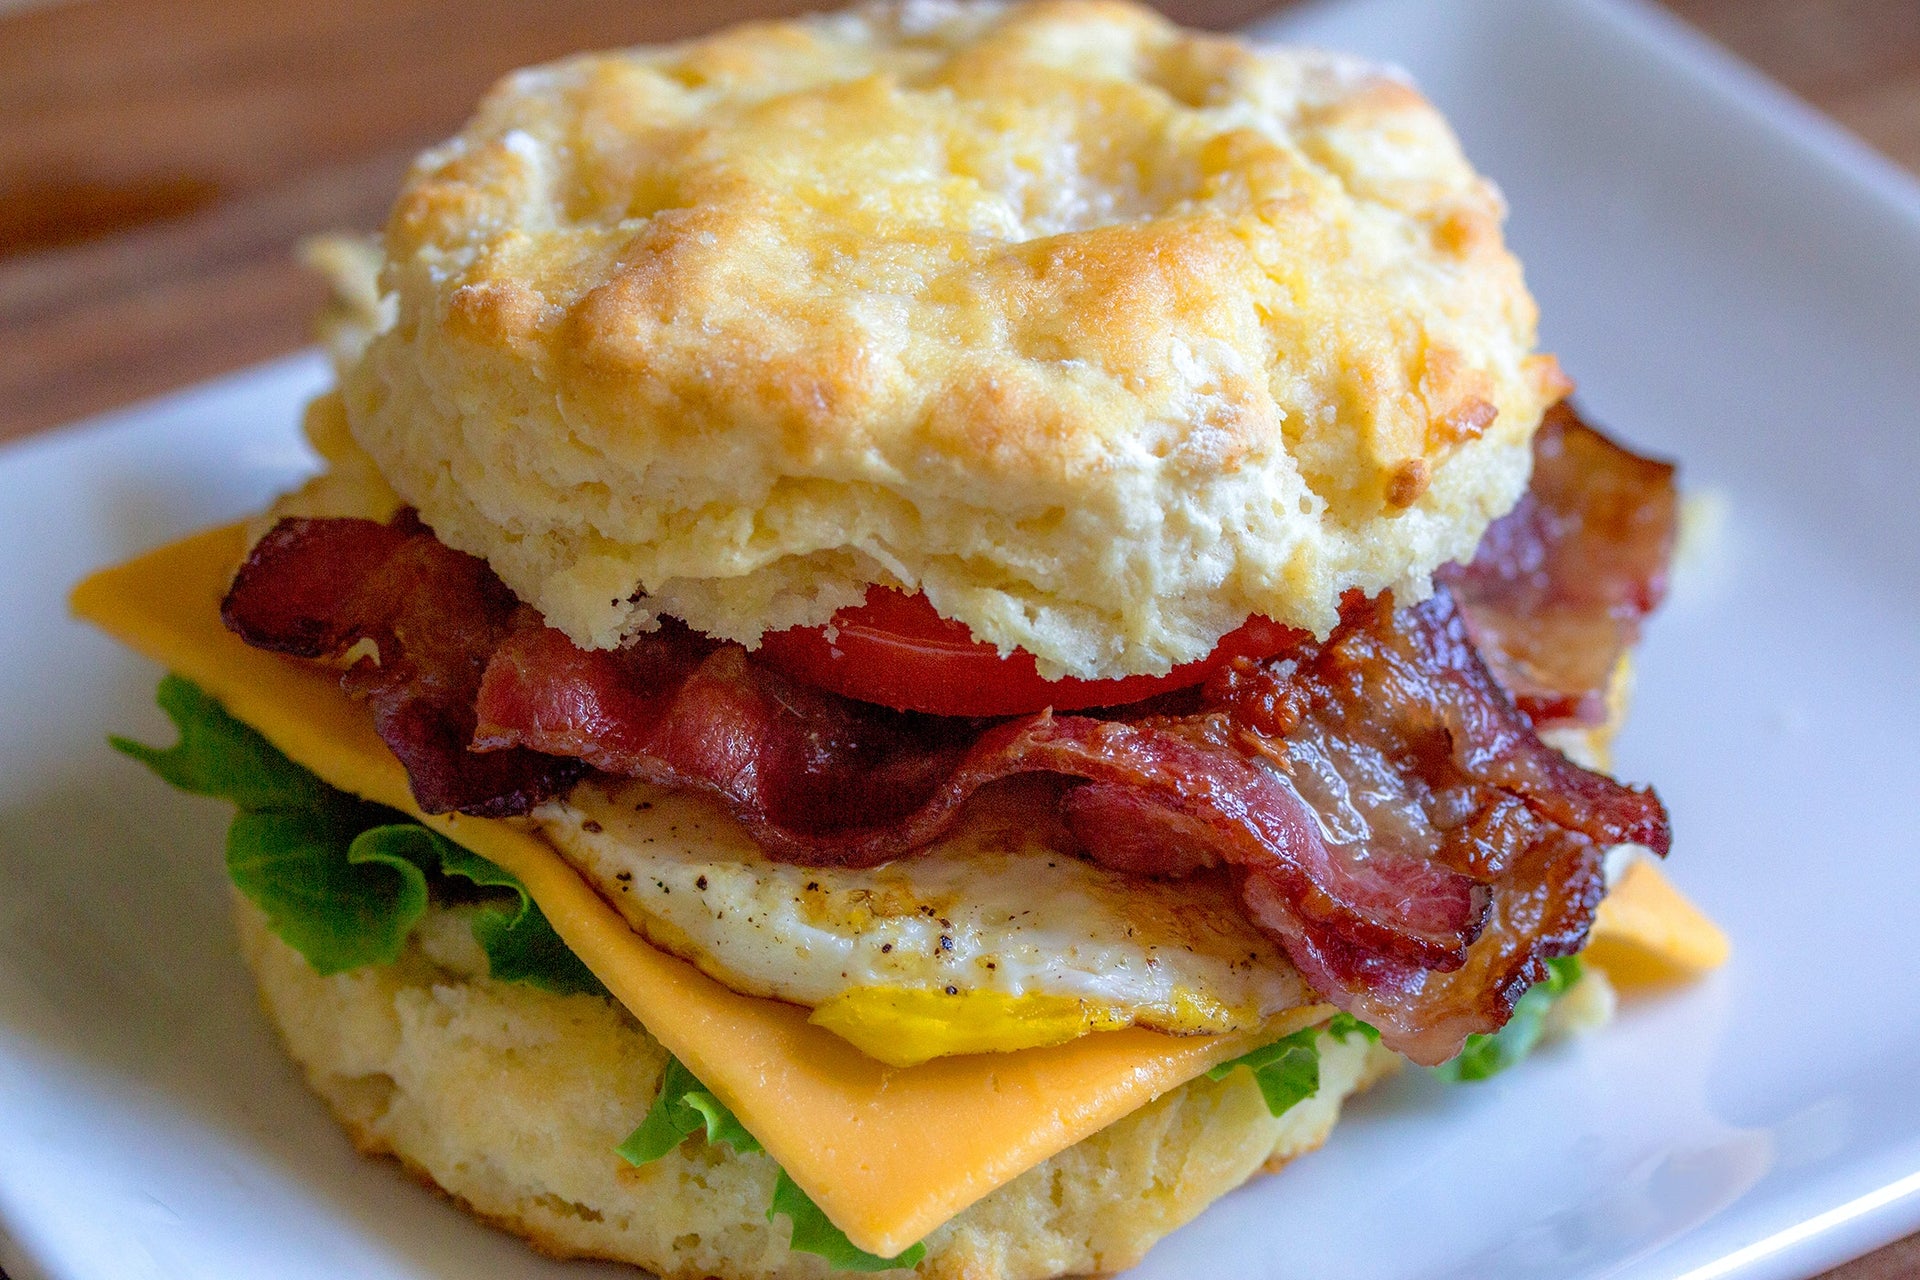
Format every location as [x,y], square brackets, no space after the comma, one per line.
[897,651]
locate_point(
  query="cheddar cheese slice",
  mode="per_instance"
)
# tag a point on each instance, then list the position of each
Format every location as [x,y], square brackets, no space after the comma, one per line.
[1647,933]
[888,1153]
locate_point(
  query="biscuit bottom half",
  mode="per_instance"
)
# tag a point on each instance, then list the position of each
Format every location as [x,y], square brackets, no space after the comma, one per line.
[512,1100]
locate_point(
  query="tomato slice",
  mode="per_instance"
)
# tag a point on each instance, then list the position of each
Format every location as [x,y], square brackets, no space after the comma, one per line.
[896,650]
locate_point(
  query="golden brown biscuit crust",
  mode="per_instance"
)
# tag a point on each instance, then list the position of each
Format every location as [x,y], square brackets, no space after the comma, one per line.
[1104,334]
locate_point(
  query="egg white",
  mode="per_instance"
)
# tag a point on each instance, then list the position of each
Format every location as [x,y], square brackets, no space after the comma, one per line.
[995,906]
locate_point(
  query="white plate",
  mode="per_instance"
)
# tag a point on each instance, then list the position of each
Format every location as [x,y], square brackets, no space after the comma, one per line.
[1732,282]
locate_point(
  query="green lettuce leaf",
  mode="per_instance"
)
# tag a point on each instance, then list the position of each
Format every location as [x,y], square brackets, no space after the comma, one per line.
[1489,1055]
[219,756]
[520,943]
[1344,1026]
[813,1233]
[1287,1071]
[332,888]
[684,1107]
[342,881]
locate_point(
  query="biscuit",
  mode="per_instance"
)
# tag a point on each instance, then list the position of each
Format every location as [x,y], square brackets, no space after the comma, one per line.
[511,1100]
[1103,334]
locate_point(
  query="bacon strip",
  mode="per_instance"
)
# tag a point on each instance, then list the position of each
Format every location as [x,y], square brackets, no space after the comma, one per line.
[823,781]
[817,778]
[1395,729]
[433,617]
[1559,586]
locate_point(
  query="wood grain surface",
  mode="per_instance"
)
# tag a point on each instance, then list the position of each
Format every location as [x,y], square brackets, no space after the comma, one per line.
[162,157]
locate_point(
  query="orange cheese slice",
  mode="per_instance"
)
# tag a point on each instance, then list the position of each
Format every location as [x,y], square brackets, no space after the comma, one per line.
[887,1153]
[1646,932]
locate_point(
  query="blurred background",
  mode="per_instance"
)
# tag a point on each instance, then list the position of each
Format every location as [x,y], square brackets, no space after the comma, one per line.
[161,158]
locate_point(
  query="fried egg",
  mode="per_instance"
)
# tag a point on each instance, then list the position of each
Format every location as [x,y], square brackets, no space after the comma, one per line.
[995,938]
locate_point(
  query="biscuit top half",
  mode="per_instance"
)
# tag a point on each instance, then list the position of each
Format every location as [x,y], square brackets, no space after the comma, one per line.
[1104,334]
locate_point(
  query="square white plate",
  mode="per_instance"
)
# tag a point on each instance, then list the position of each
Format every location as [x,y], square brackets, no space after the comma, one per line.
[1732,282]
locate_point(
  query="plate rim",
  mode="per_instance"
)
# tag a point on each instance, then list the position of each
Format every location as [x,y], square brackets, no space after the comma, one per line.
[1845,1231]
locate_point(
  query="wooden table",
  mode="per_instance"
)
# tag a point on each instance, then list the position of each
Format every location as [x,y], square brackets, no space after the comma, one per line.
[161,157]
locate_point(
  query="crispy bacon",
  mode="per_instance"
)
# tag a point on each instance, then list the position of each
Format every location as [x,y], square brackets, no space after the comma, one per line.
[1559,586]
[1380,801]
[1388,814]
[816,778]
[1396,735]
[330,588]
[821,780]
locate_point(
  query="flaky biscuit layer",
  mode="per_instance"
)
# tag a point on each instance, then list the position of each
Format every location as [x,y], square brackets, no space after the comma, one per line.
[1104,334]
[512,1100]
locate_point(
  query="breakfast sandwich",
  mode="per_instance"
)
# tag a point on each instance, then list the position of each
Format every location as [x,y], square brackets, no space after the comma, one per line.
[927,633]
